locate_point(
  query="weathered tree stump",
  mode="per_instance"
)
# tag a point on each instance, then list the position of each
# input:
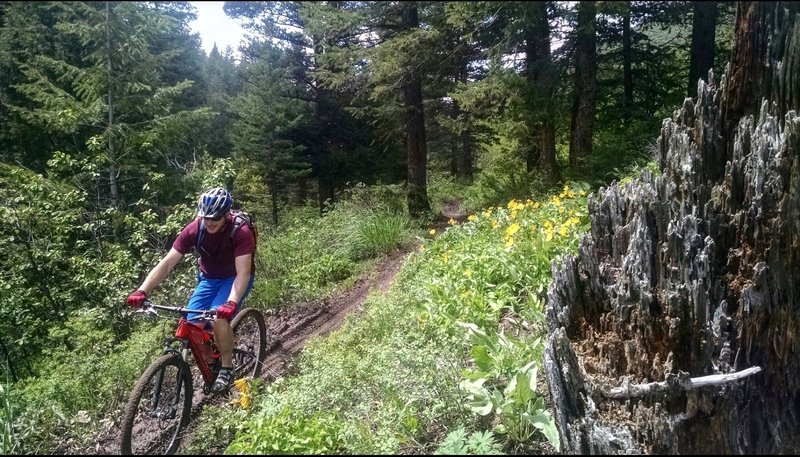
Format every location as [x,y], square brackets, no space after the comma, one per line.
[676,328]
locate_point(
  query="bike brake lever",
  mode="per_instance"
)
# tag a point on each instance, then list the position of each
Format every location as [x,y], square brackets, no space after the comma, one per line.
[148,312]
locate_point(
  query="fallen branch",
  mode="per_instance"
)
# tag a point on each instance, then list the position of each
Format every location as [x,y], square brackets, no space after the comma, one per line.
[678,382]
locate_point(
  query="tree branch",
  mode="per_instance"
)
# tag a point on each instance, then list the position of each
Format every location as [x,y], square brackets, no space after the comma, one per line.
[674,382]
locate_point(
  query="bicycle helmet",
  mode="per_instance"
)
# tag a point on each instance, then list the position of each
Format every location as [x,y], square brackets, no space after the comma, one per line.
[214,203]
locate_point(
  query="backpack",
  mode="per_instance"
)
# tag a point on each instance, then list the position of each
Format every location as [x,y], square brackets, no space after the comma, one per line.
[239,218]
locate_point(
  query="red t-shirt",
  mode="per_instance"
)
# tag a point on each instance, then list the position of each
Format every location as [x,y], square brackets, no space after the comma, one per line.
[217,250]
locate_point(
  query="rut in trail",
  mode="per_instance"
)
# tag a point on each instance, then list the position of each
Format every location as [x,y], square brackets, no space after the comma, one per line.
[288,330]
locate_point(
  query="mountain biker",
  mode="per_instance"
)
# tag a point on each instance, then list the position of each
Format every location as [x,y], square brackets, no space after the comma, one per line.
[226,271]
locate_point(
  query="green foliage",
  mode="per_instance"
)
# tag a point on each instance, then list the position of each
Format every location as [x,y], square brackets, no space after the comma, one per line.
[215,428]
[378,372]
[290,433]
[308,254]
[477,443]
[80,386]
[10,439]
[379,233]
[63,315]
[111,110]
[393,371]
[501,258]
[518,406]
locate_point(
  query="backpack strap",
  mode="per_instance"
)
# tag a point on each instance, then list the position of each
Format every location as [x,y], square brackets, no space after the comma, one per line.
[201,230]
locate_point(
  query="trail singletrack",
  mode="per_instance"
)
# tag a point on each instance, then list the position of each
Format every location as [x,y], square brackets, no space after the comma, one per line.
[288,330]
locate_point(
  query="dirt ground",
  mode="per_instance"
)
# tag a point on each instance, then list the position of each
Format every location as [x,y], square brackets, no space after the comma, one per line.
[287,332]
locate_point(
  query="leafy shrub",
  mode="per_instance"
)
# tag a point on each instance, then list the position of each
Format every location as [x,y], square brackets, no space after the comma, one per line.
[477,443]
[290,433]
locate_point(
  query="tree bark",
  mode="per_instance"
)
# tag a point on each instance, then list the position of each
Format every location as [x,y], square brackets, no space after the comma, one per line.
[693,273]
[627,59]
[539,73]
[416,148]
[583,107]
[320,159]
[704,28]
[461,165]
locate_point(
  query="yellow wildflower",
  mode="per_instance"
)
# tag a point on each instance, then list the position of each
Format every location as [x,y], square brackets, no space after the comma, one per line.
[548,234]
[512,229]
[472,218]
[432,232]
[421,248]
[244,393]
[494,224]
[563,230]
[452,221]
[468,273]
[556,200]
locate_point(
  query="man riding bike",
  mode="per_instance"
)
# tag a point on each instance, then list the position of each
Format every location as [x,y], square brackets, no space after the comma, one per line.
[226,271]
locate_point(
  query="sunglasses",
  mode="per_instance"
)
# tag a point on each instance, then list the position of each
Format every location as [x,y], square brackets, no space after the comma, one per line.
[215,219]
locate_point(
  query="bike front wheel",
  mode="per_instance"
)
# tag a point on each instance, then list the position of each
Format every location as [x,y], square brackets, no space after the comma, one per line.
[250,343]
[158,409]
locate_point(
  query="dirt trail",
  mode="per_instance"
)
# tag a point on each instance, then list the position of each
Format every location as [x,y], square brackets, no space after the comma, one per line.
[288,330]
[291,328]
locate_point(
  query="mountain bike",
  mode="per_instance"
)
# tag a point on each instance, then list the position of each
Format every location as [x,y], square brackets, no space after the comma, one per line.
[160,404]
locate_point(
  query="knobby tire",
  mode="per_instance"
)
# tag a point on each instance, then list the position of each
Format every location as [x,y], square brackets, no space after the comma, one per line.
[158,409]
[250,343]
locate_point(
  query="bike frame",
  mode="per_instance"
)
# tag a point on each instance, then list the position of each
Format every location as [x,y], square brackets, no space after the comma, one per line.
[194,337]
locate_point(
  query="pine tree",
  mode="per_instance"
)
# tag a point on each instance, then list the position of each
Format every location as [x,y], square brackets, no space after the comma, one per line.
[264,119]
[111,101]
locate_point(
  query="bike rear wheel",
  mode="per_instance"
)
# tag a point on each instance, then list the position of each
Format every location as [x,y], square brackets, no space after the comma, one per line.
[249,343]
[158,409]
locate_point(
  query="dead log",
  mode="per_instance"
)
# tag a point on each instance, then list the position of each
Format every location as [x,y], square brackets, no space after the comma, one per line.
[694,273]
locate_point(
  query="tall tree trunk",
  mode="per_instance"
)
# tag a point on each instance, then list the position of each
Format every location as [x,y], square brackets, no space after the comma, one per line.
[583,107]
[680,316]
[320,164]
[704,29]
[627,59]
[112,169]
[539,73]
[416,148]
[461,165]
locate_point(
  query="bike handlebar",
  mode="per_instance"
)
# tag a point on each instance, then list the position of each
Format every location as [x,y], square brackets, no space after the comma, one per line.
[150,307]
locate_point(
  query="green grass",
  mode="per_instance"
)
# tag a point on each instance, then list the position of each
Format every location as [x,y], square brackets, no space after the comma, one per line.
[455,345]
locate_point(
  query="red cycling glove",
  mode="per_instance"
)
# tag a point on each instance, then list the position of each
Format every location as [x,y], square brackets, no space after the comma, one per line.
[136,299]
[226,310]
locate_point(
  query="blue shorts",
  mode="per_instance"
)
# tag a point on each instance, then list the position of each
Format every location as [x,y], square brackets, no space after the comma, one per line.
[212,293]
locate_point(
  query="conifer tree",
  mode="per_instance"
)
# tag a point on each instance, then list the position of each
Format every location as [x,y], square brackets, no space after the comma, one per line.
[264,118]
[112,101]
